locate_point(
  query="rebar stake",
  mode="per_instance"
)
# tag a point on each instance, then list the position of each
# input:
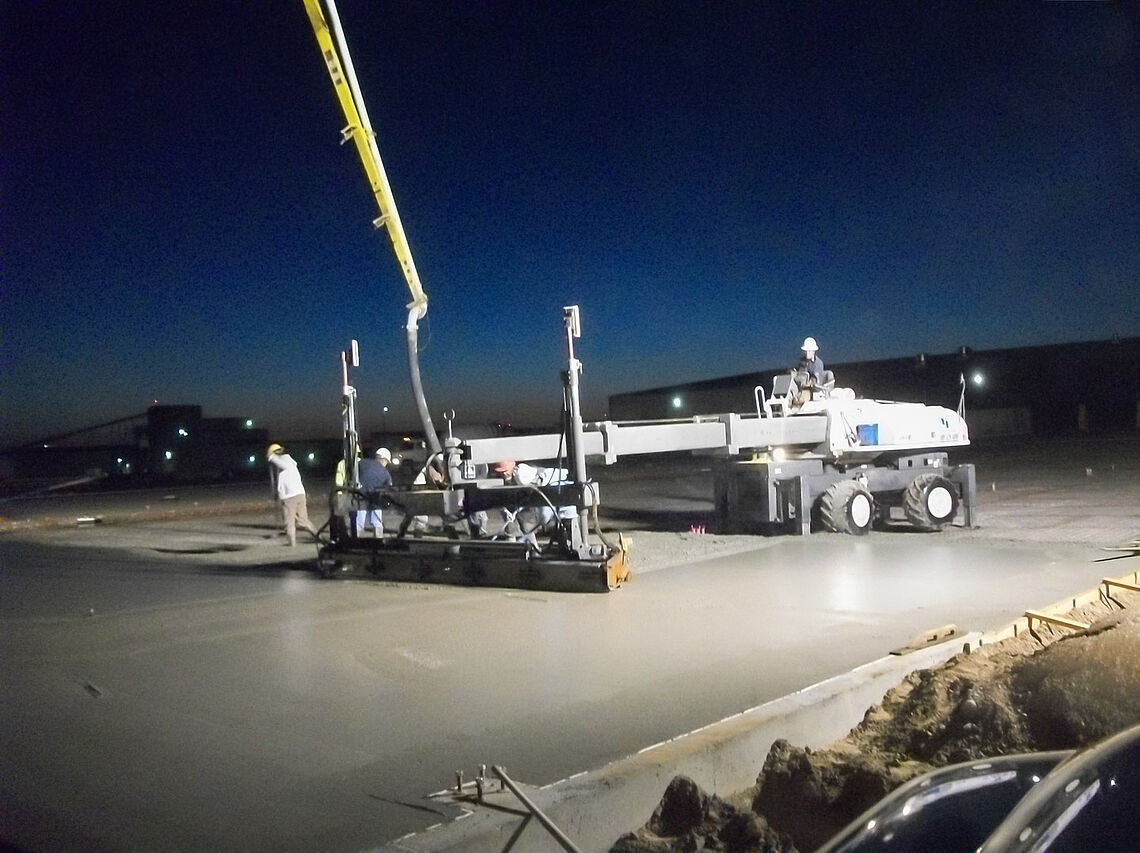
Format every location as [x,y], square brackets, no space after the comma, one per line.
[546,822]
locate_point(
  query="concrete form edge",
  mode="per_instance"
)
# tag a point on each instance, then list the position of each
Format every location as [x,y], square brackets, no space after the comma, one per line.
[596,807]
[1020,625]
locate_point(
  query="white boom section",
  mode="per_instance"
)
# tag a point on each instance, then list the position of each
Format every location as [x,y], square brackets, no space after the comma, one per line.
[845,431]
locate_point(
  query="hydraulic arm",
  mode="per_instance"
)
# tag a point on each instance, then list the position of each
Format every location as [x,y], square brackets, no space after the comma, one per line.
[334,49]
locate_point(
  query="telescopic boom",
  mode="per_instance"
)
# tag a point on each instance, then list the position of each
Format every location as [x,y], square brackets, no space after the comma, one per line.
[334,49]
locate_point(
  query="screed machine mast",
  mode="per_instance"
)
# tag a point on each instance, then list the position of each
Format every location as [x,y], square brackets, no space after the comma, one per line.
[823,458]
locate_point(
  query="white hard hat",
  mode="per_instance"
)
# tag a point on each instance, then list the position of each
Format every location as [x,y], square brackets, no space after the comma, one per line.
[384,453]
[810,345]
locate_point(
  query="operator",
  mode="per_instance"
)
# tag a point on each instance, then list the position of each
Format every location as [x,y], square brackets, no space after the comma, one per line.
[809,371]
[531,519]
[432,473]
[374,476]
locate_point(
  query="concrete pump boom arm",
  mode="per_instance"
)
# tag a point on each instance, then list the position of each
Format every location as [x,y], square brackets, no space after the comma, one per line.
[359,130]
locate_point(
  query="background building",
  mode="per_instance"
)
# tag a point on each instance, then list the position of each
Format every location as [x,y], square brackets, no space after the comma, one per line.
[1091,387]
[162,444]
[1059,389]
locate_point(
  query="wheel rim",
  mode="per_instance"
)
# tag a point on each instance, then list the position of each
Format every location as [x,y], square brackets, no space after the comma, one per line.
[861,510]
[939,502]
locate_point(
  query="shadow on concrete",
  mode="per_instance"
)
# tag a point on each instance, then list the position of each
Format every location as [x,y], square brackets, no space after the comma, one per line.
[213,549]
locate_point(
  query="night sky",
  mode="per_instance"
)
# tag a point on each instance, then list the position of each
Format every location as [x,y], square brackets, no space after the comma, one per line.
[709,181]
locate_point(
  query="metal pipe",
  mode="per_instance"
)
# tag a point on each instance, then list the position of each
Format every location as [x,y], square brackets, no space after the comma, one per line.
[555,832]
[575,438]
[351,443]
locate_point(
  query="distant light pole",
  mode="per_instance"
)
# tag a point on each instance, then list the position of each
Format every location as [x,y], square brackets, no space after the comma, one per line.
[384,420]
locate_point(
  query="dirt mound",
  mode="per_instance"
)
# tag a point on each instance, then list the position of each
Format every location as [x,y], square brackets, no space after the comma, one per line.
[1078,691]
[1041,692]
[688,819]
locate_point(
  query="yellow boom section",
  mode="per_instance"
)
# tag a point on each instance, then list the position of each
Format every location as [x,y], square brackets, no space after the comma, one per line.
[361,135]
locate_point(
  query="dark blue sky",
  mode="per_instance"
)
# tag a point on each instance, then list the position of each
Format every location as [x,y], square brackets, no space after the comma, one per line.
[709,181]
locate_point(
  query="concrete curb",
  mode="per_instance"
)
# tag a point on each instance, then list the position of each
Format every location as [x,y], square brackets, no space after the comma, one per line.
[597,807]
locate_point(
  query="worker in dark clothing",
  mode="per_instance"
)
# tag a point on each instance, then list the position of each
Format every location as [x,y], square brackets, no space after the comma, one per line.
[810,367]
[374,476]
[809,375]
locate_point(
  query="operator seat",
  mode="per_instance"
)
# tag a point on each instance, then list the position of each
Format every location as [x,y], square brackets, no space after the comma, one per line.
[788,394]
[784,393]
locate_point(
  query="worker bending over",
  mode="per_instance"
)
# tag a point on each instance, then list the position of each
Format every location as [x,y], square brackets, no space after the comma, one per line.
[285,480]
[530,519]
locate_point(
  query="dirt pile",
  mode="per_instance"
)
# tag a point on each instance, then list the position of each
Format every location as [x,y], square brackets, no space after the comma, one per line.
[689,819]
[1049,690]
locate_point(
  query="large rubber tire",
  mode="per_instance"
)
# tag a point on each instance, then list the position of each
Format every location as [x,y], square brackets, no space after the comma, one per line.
[930,502]
[847,507]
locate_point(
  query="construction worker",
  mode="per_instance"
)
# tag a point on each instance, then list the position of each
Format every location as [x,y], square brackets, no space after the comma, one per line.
[530,519]
[810,365]
[374,476]
[340,478]
[285,478]
[342,519]
[430,472]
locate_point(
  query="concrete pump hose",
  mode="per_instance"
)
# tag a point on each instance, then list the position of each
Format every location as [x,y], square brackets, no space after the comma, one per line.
[412,335]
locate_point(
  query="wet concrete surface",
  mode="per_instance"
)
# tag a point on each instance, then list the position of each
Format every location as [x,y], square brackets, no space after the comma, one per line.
[51,510]
[191,684]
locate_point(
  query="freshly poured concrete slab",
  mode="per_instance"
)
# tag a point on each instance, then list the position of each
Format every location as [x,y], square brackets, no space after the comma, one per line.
[191,684]
[205,704]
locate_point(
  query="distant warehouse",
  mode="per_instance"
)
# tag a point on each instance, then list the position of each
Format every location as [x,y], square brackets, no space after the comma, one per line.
[164,443]
[1058,389]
